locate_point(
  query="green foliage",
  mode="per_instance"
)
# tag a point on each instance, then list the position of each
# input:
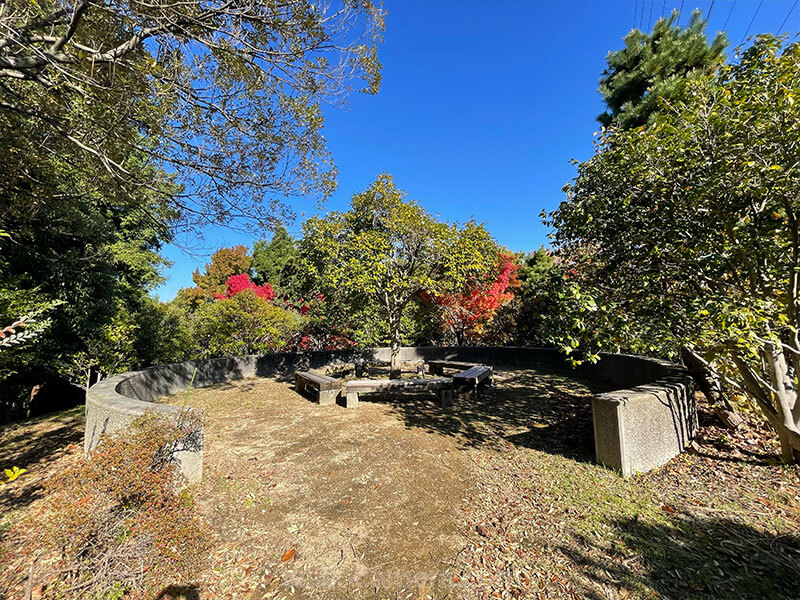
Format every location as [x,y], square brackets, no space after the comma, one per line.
[688,232]
[163,333]
[95,252]
[226,94]
[651,70]
[244,324]
[109,350]
[24,316]
[381,254]
[275,262]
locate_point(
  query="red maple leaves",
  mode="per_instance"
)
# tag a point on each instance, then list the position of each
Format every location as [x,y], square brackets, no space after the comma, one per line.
[239,283]
[466,313]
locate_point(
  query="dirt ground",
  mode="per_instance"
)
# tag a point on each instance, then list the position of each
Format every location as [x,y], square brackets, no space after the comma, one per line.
[497,497]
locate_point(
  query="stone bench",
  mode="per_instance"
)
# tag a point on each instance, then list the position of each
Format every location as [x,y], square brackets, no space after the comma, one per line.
[362,366]
[467,381]
[437,367]
[324,388]
[443,385]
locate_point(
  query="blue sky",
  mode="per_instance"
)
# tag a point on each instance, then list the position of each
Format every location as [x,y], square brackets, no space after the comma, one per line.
[483,104]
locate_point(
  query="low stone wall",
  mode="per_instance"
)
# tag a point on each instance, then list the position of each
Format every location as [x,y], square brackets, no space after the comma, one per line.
[636,428]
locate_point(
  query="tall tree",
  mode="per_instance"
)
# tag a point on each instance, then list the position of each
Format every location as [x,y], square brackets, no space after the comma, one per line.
[223,94]
[652,68]
[275,262]
[690,230]
[385,251]
[213,281]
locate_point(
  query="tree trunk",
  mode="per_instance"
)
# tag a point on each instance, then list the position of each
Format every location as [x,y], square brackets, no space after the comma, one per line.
[394,369]
[789,454]
[394,336]
[782,389]
[711,386]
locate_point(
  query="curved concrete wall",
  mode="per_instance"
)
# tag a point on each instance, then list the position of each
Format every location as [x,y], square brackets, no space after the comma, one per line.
[636,428]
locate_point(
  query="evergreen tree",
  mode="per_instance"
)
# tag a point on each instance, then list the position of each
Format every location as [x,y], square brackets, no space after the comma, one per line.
[652,68]
[274,262]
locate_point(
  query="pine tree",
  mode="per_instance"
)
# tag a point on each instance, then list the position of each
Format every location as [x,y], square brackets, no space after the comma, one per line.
[651,68]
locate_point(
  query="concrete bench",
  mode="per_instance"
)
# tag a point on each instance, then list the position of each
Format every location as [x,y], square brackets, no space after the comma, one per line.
[437,367]
[443,385]
[467,381]
[362,366]
[324,388]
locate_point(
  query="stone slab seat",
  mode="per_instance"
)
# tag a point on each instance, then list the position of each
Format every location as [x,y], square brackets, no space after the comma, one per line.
[437,367]
[444,385]
[467,381]
[323,387]
[362,366]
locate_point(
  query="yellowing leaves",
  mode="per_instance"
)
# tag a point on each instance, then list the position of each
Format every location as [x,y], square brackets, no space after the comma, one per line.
[12,474]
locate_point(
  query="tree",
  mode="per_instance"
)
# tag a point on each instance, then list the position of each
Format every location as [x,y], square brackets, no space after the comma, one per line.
[465,315]
[163,333]
[110,350]
[239,283]
[275,262]
[690,230]
[385,251]
[224,264]
[651,69]
[223,95]
[93,252]
[244,324]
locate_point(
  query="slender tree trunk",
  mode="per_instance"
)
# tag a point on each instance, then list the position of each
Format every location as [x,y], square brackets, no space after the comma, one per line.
[394,343]
[785,394]
[709,383]
[395,370]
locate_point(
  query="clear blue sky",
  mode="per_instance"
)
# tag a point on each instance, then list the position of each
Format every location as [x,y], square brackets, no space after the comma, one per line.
[484,103]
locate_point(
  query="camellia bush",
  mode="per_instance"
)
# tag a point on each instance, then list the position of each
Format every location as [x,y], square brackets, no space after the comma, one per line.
[687,231]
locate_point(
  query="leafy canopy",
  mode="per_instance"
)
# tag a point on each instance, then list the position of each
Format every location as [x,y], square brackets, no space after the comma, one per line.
[689,230]
[225,95]
[275,262]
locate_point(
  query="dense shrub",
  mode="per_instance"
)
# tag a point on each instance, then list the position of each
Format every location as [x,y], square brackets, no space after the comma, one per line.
[119,521]
[245,324]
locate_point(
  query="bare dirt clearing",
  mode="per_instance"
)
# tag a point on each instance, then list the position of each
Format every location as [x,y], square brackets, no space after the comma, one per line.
[494,498]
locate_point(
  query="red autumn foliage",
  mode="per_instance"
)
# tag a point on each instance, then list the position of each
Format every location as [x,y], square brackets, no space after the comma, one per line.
[240,283]
[466,314]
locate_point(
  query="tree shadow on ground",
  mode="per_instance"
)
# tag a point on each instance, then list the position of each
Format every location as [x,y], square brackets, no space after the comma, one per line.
[179,592]
[536,409]
[24,448]
[689,558]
